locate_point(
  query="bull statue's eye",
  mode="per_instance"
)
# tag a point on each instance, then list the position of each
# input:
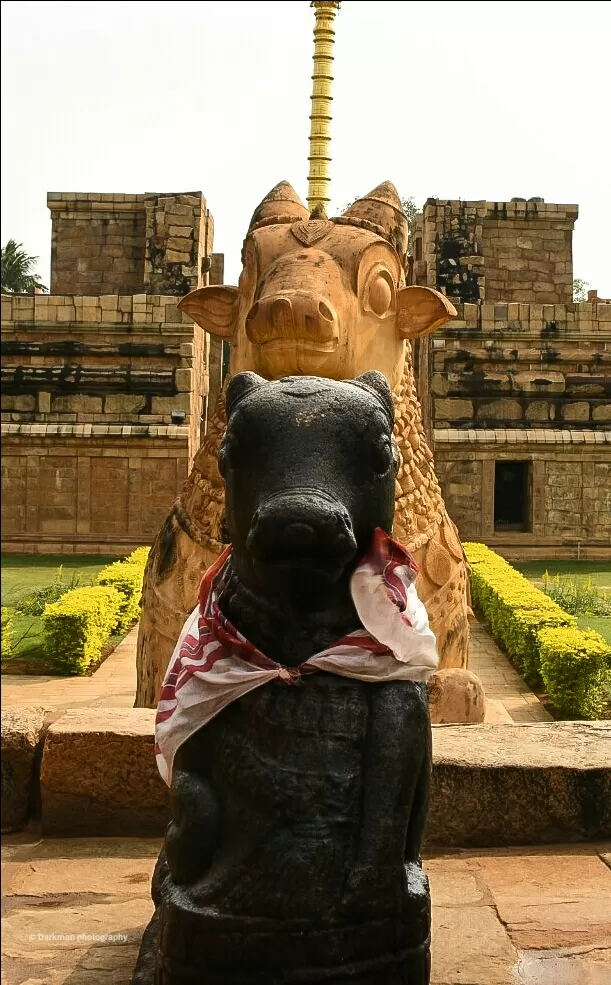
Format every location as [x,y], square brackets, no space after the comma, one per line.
[381,458]
[380,294]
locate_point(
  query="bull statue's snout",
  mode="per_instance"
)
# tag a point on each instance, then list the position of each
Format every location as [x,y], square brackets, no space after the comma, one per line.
[293,316]
[303,530]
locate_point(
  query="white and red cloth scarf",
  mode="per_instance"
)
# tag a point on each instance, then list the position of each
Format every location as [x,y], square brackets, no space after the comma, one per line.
[213,664]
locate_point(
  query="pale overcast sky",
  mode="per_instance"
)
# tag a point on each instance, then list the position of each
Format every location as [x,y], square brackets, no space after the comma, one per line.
[458,100]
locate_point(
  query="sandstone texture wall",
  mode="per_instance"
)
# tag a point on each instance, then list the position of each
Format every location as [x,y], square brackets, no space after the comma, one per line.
[101,413]
[518,251]
[215,362]
[128,244]
[526,383]
[570,509]
[523,365]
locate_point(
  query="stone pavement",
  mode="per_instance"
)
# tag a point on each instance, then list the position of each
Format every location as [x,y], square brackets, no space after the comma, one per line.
[508,698]
[114,684]
[74,910]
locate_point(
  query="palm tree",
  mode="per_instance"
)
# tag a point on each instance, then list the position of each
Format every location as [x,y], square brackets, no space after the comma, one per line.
[18,275]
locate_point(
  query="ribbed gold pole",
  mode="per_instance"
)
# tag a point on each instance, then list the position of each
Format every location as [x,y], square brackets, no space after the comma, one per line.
[319,179]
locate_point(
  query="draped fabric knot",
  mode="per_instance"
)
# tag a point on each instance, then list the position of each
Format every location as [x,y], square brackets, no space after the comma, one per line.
[213,664]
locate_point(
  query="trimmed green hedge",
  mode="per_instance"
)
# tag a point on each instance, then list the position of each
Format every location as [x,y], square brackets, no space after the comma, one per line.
[541,639]
[576,671]
[127,579]
[127,576]
[513,607]
[78,625]
[7,632]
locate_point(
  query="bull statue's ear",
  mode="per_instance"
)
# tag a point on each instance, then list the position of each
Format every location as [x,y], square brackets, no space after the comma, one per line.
[213,308]
[421,310]
[239,387]
[377,384]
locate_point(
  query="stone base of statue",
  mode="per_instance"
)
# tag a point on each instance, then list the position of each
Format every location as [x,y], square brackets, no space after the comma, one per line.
[186,944]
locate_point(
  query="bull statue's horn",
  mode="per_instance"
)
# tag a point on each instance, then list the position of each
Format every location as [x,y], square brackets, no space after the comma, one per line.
[382,208]
[281,203]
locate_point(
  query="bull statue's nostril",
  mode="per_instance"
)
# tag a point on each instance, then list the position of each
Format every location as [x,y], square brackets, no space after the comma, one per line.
[299,536]
[325,311]
[282,314]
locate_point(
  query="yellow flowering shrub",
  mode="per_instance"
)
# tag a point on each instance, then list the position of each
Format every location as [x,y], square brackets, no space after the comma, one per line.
[7,632]
[127,576]
[78,625]
[140,556]
[576,670]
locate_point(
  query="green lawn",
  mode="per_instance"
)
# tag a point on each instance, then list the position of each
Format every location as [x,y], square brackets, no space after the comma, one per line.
[599,572]
[30,571]
[25,573]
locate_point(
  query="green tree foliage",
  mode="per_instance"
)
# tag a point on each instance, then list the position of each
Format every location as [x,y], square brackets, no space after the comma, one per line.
[580,289]
[409,206]
[18,271]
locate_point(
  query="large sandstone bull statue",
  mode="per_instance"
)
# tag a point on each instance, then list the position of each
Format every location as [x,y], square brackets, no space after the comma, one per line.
[319,297]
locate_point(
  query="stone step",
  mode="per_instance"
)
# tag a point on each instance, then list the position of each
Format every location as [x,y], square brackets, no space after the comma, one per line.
[493,785]
[532,783]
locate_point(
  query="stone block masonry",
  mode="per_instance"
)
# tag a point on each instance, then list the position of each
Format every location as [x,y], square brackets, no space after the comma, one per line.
[129,244]
[102,401]
[523,365]
[567,499]
[179,236]
[97,243]
[536,780]
[519,251]
[105,382]
[525,390]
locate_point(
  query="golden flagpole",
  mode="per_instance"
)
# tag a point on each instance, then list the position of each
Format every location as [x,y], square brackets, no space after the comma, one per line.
[319,178]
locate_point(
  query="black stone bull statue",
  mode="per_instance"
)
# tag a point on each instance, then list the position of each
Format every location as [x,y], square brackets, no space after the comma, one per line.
[293,725]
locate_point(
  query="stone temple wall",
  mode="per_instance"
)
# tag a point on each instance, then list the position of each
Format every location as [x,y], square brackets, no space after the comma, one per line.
[523,365]
[128,244]
[518,251]
[528,385]
[102,402]
[569,503]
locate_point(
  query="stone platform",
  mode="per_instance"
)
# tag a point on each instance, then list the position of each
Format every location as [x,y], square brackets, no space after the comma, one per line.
[492,784]
[74,911]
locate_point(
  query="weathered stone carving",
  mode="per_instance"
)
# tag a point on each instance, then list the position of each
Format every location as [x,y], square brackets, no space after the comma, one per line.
[326,297]
[297,742]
